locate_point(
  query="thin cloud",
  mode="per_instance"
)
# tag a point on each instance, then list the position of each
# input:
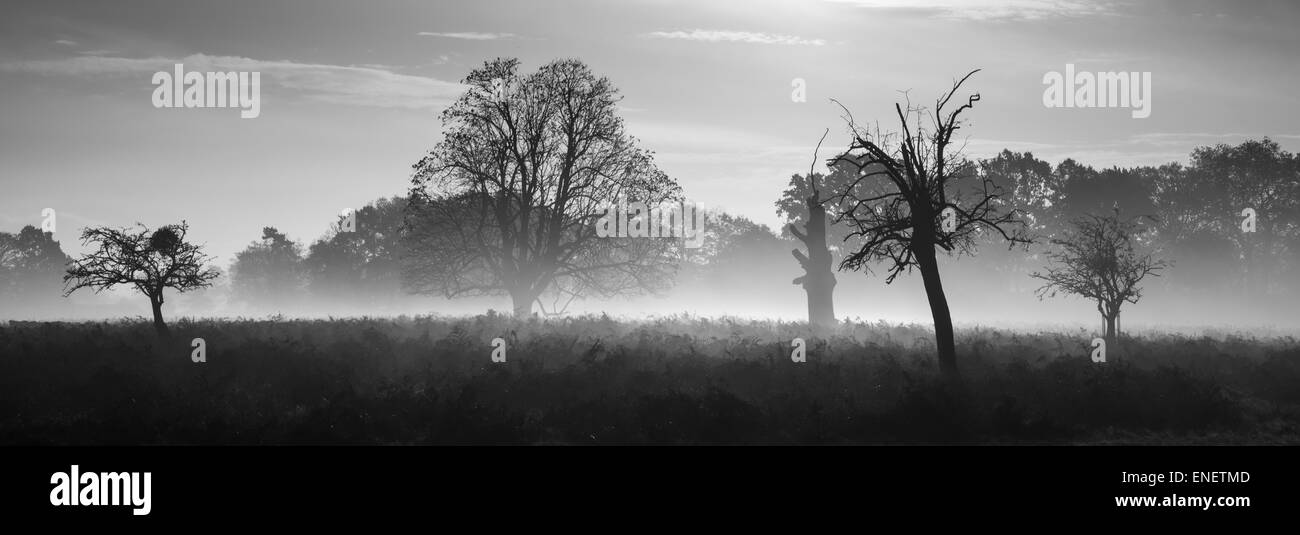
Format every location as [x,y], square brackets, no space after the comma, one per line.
[1153,148]
[472,36]
[336,84]
[1109,59]
[984,146]
[724,36]
[1200,138]
[65,42]
[993,10]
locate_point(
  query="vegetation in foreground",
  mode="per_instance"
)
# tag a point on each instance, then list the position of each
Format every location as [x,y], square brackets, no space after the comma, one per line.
[596,380]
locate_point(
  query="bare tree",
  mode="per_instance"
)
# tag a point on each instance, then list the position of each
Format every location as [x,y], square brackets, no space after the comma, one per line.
[818,280]
[508,201]
[914,195]
[1096,259]
[149,261]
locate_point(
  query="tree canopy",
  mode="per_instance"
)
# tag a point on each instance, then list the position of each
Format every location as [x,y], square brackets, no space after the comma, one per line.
[150,261]
[507,202]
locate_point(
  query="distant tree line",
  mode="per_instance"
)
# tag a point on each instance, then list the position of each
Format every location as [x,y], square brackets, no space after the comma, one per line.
[506,204]
[356,264]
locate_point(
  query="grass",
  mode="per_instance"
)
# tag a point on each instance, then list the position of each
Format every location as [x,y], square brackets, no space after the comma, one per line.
[596,380]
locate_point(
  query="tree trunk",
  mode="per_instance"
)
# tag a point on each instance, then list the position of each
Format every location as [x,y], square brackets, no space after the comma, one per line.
[1250,280]
[523,302]
[943,337]
[1110,331]
[1111,318]
[821,300]
[1264,278]
[156,302]
[818,280]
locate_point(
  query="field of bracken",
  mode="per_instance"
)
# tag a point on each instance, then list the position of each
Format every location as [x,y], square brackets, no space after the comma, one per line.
[597,380]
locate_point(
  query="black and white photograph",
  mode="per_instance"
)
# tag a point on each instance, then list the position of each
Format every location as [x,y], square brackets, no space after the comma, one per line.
[1060,233]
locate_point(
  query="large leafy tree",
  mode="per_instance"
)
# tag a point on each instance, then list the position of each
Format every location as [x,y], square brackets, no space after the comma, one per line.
[733,244]
[360,264]
[1031,187]
[1189,232]
[1033,190]
[31,270]
[507,202]
[1256,175]
[151,261]
[1083,190]
[269,272]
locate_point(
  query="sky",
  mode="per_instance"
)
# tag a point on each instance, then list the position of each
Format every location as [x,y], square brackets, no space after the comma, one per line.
[351,93]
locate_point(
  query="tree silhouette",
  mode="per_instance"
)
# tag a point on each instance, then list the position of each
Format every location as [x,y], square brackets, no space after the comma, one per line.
[269,273]
[31,270]
[1030,185]
[507,202]
[1259,175]
[818,280]
[1083,190]
[1032,190]
[1096,259]
[897,204]
[362,265]
[733,244]
[151,261]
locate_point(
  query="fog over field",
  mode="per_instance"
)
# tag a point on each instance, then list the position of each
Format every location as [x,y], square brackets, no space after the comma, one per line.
[730,99]
[977,302]
[318,221]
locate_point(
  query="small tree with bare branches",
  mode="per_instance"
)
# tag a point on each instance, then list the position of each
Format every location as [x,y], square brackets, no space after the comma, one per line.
[915,194]
[1096,259]
[151,261]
